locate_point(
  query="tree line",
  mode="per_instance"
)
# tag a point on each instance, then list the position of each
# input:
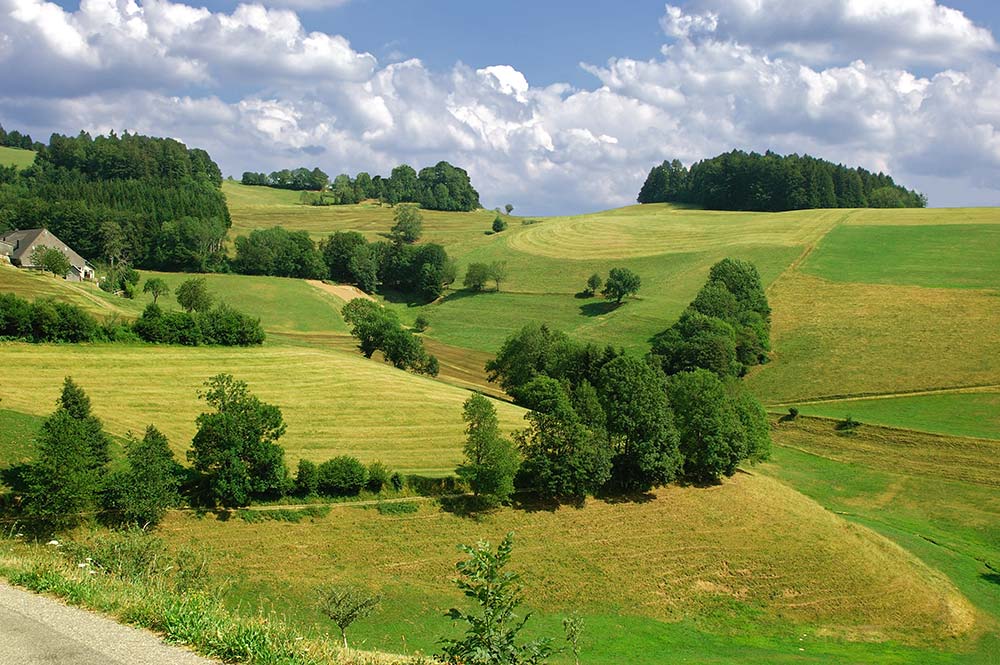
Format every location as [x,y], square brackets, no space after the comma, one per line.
[603,421]
[438,187]
[397,264]
[201,322]
[151,202]
[773,183]
[15,139]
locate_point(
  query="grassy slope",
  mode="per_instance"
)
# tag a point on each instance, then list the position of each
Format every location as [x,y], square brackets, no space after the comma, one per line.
[962,414]
[677,568]
[16,157]
[935,496]
[333,402]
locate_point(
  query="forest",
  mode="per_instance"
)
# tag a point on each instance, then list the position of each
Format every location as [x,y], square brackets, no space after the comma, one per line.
[770,182]
[151,202]
[438,187]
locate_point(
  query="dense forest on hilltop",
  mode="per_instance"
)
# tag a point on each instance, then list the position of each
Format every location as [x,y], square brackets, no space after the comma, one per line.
[438,187]
[773,183]
[152,202]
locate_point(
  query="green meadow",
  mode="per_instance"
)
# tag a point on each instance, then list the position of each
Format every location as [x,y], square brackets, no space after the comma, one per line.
[22,159]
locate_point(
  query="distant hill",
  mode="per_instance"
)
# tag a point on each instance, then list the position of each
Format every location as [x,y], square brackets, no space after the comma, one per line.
[773,183]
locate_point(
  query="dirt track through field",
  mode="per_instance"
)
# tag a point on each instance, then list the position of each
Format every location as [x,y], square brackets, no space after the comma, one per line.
[345,292]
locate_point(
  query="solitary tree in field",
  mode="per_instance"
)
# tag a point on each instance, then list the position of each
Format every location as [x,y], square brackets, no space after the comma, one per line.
[51,260]
[594,283]
[476,276]
[509,208]
[344,604]
[193,295]
[156,286]
[499,224]
[498,273]
[409,224]
[491,634]
[621,283]
[490,459]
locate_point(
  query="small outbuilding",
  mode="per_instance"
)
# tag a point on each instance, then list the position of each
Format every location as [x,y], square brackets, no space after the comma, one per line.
[17,247]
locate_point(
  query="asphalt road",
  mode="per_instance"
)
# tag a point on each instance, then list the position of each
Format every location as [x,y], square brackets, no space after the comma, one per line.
[35,630]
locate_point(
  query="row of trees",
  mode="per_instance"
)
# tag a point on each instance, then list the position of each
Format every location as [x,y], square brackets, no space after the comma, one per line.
[202,322]
[15,139]
[234,459]
[771,183]
[438,187]
[151,202]
[379,329]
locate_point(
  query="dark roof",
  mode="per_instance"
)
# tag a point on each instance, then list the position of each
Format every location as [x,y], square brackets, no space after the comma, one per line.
[26,240]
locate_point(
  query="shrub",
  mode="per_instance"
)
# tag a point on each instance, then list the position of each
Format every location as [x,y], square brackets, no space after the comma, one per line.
[421,323]
[378,476]
[793,413]
[848,424]
[397,481]
[342,476]
[499,224]
[227,326]
[307,478]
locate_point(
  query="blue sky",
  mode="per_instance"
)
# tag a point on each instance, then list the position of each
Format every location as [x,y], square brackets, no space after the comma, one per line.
[558,107]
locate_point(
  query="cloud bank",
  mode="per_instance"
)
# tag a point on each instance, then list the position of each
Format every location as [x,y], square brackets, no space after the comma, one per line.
[906,86]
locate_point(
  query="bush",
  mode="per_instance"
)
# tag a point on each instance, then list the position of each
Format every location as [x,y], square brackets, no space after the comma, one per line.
[378,476]
[397,481]
[421,323]
[45,320]
[227,326]
[342,476]
[307,478]
[499,224]
[793,413]
[848,424]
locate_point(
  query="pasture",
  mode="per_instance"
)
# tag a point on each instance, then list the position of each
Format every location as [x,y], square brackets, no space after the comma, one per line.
[22,159]
[334,402]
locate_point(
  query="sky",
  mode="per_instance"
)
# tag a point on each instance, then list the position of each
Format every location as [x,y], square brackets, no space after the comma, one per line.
[557,107]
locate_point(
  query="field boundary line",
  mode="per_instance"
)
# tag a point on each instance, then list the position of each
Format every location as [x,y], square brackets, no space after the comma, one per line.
[867,396]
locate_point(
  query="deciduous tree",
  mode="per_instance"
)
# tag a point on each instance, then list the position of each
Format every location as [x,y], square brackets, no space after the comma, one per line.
[621,283]
[491,461]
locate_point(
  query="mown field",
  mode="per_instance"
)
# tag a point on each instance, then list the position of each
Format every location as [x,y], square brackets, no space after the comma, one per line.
[22,159]
[663,574]
[334,402]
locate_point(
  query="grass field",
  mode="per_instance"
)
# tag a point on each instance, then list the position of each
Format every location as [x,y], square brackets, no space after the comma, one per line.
[678,567]
[333,402]
[947,255]
[961,414]
[22,159]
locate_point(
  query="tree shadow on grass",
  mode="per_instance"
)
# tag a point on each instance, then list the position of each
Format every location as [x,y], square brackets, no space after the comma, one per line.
[599,308]
[993,578]
[626,497]
[583,295]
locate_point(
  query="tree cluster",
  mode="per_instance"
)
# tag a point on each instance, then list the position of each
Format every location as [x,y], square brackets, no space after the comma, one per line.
[280,253]
[221,325]
[378,329]
[46,320]
[438,187]
[725,329]
[343,476]
[772,183]
[604,421]
[148,201]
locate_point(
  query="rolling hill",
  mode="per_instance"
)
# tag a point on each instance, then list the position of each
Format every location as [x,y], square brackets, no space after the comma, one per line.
[878,546]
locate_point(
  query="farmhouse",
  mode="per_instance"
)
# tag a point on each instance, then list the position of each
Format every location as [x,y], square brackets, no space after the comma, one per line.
[17,247]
